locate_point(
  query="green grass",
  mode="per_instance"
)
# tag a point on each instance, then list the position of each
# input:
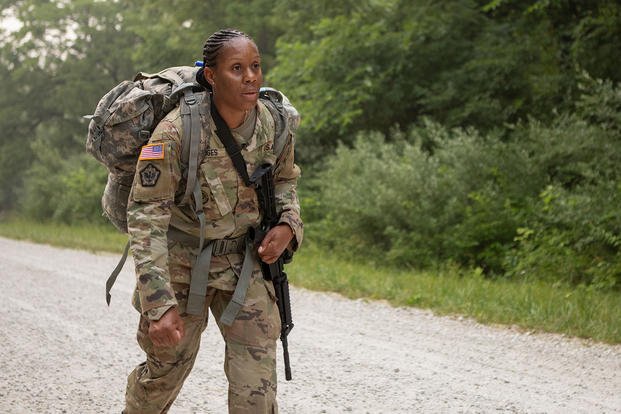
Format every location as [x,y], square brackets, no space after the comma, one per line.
[539,306]
[86,237]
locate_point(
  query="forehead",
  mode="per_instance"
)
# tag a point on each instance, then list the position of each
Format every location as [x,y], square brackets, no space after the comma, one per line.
[239,48]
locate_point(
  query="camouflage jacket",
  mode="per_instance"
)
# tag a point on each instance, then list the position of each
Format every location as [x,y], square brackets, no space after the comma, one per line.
[230,207]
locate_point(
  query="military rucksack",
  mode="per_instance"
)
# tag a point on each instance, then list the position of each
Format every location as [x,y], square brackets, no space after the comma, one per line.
[126,116]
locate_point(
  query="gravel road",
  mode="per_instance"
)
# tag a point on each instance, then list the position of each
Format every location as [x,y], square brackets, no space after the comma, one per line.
[64,351]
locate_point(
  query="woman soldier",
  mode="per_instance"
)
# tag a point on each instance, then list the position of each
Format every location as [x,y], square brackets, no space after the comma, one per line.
[164,238]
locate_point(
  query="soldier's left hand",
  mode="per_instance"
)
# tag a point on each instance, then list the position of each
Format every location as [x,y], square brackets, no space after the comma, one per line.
[275,242]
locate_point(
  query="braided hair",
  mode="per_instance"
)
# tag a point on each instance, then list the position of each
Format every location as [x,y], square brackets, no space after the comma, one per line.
[212,48]
[215,42]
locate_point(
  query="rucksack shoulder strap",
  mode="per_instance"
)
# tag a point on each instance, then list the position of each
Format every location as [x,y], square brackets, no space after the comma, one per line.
[190,150]
[272,99]
[286,117]
[191,138]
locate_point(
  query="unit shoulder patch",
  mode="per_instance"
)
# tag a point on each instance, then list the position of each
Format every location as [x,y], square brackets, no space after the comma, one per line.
[152,152]
[149,175]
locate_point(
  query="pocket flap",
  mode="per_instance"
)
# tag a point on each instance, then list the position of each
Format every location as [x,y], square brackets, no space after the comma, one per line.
[217,190]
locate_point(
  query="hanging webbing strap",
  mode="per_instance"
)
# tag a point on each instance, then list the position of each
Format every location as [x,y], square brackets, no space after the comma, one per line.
[198,283]
[200,270]
[200,213]
[189,156]
[115,273]
[239,296]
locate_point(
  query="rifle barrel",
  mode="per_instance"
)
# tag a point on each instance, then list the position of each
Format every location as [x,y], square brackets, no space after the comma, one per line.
[285,352]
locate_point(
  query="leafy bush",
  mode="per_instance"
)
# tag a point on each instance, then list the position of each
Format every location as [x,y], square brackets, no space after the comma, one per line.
[575,233]
[399,202]
[600,104]
[67,190]
[576,238]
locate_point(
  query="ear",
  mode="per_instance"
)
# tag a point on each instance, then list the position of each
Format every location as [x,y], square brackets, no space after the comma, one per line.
[209,75]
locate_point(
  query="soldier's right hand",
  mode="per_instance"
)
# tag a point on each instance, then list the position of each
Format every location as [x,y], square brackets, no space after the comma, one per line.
[168,330]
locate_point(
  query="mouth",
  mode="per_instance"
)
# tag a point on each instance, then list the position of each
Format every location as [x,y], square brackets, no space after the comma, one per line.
[251,94]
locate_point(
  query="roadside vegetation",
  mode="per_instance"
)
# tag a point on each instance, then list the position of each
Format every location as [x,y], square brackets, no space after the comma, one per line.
[528,305]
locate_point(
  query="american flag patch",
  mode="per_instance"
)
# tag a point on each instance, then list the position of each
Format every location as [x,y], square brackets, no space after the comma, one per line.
[152,152]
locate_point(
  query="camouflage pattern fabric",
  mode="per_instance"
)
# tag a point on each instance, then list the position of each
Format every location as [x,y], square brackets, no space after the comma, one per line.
[250,356]
[163,267]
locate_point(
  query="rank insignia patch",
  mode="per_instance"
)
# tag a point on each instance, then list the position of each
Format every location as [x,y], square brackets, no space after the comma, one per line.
[149,175]
[152,152]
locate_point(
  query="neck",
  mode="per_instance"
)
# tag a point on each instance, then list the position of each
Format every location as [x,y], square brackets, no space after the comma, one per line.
[233,117]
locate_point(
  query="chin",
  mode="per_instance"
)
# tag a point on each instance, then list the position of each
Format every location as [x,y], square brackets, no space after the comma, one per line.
[249,105]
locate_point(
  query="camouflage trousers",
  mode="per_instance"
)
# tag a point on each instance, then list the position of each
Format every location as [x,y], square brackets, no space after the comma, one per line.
[250,355]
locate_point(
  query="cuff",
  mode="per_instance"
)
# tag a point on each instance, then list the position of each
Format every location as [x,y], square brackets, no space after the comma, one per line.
[156,313]
[294,221]
[155,302]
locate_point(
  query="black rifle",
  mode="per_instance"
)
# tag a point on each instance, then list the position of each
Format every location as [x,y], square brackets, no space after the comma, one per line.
[263,179]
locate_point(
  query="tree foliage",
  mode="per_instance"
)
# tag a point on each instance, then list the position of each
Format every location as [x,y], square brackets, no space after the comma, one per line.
[481,132]
[55,67]
[462,63]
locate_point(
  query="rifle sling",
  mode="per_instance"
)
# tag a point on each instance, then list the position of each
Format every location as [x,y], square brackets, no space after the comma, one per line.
[224,133]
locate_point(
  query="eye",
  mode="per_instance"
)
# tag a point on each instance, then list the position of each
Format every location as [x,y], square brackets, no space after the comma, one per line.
[237,67]
[256,65]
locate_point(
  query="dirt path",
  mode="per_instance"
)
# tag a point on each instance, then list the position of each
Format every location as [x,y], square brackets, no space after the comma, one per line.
[63,351]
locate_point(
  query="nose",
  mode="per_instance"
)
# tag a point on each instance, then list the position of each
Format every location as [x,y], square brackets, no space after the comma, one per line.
[250,76]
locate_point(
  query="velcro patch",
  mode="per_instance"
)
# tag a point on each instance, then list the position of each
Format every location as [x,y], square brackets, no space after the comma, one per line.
[149,175]
[152,152]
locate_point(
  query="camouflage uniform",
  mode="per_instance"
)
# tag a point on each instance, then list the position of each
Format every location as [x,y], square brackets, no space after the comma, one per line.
[163,266]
